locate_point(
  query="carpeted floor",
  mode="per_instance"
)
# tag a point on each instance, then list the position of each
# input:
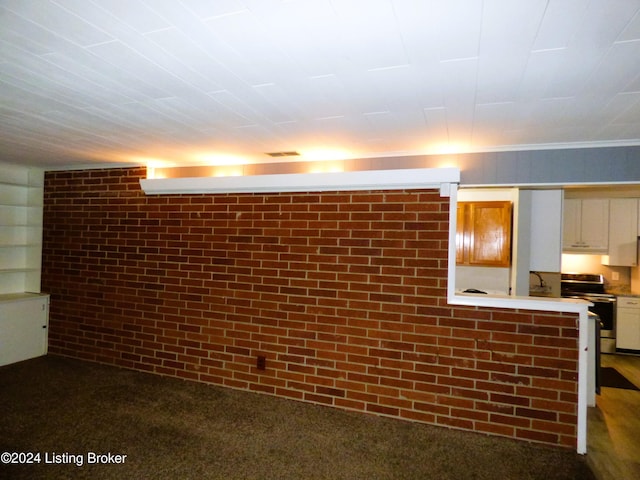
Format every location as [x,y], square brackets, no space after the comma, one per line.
[67,410]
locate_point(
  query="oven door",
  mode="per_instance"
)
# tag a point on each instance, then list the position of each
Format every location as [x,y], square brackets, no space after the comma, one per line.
[605,308]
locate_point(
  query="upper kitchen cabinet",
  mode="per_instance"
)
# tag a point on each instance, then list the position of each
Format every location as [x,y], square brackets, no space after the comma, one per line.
[483,236]
[586,225]
[623,233]
[546,231]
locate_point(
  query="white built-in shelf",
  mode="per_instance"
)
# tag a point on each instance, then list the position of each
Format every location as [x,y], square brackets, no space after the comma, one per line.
[21,207]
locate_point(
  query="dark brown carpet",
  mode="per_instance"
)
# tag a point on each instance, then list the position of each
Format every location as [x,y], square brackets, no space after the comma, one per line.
[610,377]
[170,429]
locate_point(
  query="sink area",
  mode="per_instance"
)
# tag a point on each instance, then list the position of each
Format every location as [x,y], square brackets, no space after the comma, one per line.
[544,284]
[544,291]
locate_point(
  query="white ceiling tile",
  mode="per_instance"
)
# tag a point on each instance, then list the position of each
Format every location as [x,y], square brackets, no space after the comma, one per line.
[244,36]
[285,99]
[540,73]
[116,78]
[633,85]
[52,17]
[499,77]
[19,28]
[622,58]
[434,31]
[147,117]
[632,29]
[13,97]
[205,39]
[125,25]
[327,96]
[175,43]
[103,13]
[561,18]
[246,115]
[46,77]
[86,73]
[459,93]
[549,112]
[510,26]
[398,88]
[193,117]
[137,69]
[603,23]
[509,30]
[208,9]
[372,40]
[16,46]
[437,124]
[494,116]
[618,117]
[311,39]
[576,67]
[629,111]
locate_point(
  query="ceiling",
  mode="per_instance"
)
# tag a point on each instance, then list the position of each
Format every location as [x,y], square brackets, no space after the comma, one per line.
[227,81]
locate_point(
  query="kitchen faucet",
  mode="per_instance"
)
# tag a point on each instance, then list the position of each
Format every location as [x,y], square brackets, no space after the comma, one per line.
[542,284]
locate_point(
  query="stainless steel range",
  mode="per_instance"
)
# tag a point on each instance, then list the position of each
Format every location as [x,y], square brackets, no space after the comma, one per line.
[590,286]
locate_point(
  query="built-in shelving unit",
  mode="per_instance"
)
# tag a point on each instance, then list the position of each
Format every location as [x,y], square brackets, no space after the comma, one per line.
[24,310]
[21,198]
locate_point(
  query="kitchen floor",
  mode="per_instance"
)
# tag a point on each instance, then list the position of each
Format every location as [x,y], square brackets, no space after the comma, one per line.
[613,446]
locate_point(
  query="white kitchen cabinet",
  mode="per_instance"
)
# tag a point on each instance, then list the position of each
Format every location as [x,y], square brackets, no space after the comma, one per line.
[24,324]
[585,225]
[546,230]
[628,323]
[623,233]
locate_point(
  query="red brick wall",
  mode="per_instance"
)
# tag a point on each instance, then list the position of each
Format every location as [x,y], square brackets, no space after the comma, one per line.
[344,293]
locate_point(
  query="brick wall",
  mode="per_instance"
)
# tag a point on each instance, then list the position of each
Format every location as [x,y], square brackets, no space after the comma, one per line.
[344,293]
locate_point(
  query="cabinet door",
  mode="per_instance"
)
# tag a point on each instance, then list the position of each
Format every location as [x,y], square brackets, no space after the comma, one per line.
[462,240]
[546,230]
[490,234]
[594,220]
[623,236]
[571,224]
[23,329]
[628,328]
[585,225]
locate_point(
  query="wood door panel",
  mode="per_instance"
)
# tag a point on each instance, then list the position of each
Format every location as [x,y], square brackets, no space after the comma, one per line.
[483,236]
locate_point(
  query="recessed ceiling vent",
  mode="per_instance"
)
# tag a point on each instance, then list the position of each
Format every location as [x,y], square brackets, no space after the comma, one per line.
[283,154]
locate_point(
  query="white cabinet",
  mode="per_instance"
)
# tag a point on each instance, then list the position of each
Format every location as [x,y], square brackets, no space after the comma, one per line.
[21,206]
[585,225]
[24,322]
[628,323]
[546,230]
[623,233]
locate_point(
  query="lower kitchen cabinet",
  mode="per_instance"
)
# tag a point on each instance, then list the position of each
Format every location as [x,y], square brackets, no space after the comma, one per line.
[24,322]
[628,323]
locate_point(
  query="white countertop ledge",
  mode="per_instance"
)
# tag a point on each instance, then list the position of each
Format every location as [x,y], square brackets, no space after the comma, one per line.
[571,305]
[20,296]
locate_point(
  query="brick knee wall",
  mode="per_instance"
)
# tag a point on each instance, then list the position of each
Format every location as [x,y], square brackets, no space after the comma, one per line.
[344,293]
